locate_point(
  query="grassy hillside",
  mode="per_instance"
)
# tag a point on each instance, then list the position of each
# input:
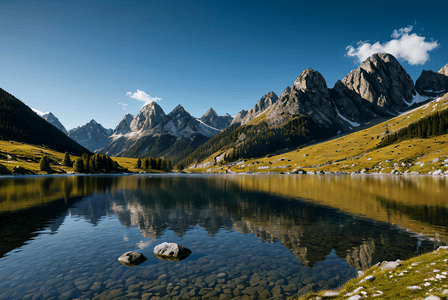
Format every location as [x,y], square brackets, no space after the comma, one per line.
[416,278]
[19,123]
[15,154]
[359,152]
[27,157]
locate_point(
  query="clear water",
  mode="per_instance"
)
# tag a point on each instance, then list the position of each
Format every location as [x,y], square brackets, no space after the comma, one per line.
[253,237]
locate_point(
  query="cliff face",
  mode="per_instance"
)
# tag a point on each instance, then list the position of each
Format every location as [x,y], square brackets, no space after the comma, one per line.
[382,81]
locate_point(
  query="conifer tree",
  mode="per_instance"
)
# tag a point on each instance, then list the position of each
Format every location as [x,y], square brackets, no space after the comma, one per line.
[44,163]
[78,166]
[67,161]
[139,163]
[147,164]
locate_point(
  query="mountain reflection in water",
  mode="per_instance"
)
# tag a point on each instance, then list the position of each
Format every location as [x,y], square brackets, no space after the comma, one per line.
[349,215]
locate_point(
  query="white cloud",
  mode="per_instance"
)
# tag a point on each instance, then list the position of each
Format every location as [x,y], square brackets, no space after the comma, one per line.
[397,33]
[142,96]
[410,47]
[124,105]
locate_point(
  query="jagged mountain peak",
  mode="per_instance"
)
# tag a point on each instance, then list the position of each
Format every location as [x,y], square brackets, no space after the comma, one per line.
[149,117]
[382,81]
[244,117]
[125,125]
[212,119]
[311,81]
[178,111]
[209,112]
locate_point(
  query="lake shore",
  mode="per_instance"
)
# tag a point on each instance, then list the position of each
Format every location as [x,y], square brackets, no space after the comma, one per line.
[421,277]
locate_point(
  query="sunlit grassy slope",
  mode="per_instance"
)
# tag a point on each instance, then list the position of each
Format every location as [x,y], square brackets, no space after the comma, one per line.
[13,154]
[357,151]
[27,156]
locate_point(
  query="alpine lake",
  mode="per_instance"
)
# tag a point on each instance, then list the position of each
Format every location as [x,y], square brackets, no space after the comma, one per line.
[251,236]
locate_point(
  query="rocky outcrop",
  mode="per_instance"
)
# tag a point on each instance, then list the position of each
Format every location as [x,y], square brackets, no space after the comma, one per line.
[351,105]
[308,96]
[378,87]
[212,119]
[92,136]
[124,126]
[50,118]
[433,84]
[244,117]
[148,118]
[131,258]
[239,117]
[382,81]
[171,251]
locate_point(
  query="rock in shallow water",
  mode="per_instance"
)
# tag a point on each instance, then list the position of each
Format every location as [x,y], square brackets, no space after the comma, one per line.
[171,251]
[131,258]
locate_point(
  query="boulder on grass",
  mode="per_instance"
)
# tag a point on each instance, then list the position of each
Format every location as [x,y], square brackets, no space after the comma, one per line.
[171,251]
[131,258]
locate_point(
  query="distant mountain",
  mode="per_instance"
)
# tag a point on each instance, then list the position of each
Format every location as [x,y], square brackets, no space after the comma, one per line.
[309,110]
[212,119]
[50,118]
[20,123]
[92,136]
[156,134]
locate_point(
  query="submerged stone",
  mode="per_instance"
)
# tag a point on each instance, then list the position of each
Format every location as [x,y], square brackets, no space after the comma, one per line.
[171,251]
[131,258]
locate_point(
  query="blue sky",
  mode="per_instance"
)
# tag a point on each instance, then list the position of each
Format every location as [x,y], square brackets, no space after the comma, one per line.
[86,60]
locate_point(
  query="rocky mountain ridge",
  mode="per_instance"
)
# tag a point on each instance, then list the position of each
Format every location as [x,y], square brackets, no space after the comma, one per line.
[379,87]
[154,133]
[306,111]
[244,117]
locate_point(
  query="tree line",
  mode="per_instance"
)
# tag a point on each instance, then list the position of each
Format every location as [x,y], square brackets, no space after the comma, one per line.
[432,125]
[154,164]
[97,163]
[258,139]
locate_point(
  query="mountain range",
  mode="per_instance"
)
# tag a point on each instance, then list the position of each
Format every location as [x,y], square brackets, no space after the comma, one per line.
[310,111]
[306,111]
